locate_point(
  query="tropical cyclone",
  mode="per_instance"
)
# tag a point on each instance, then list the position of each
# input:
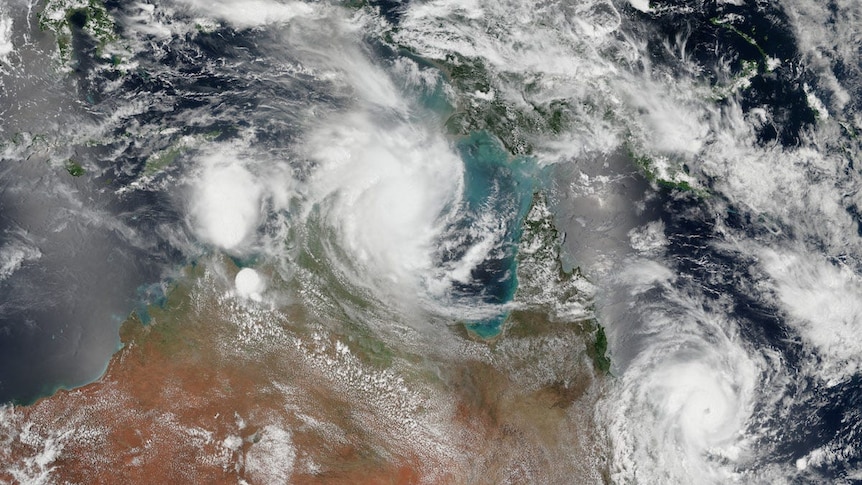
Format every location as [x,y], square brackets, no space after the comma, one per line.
[337,199]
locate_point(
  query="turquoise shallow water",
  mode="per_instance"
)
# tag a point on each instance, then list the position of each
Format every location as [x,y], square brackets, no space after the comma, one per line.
[148,296]
[490,328]
[503,185]
[498,185]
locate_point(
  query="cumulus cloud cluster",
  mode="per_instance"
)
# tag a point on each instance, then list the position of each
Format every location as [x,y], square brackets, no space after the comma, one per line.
[226,206]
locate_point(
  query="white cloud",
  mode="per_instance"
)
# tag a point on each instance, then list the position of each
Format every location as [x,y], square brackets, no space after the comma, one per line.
[824,305]
[226,202]
[6,45]
[249,284]
[14,254]
[385,187]
[271,458]
[250,13]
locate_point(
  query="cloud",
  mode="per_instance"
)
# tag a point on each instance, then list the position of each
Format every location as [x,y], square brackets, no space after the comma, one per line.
[387,188]
[822,301]
[243,14]
[14,254]
[226,202]
[249,284]
[6,46]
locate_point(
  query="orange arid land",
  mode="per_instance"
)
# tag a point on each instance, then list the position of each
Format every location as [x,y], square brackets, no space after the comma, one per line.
[217,389]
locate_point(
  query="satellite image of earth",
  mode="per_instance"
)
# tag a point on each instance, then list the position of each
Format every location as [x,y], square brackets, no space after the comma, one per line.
[430,242]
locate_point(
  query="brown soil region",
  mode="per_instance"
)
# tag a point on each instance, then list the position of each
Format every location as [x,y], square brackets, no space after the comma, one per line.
[217,391]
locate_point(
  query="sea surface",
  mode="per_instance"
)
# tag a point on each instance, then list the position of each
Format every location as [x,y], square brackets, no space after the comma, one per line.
[377,162]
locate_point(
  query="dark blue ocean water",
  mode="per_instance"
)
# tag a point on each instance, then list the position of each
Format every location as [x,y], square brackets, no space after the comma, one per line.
[502,186]
[59,314]
[819,413]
